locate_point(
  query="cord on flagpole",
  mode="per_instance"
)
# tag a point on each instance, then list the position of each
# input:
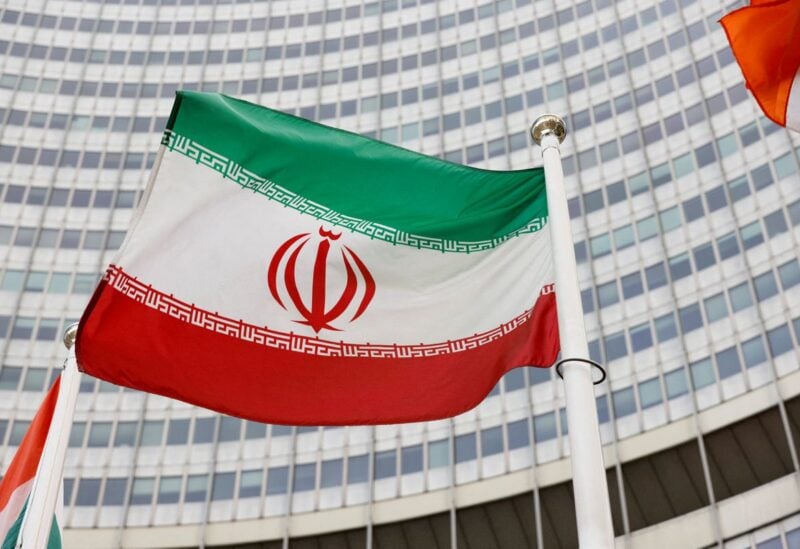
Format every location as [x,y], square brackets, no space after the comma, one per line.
[592,507]
[43,499]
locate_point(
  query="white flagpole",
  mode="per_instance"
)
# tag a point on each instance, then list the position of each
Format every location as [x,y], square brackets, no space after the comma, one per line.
[592,508]
[38,519]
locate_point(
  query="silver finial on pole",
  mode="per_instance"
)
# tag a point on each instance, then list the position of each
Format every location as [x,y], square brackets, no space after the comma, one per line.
[548,124]
[70,335]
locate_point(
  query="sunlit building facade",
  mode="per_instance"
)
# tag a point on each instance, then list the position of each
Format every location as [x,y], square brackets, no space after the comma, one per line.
[685,205]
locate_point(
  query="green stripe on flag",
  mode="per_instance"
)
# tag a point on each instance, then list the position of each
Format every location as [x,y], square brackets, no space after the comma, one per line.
[54,542]
[357,177]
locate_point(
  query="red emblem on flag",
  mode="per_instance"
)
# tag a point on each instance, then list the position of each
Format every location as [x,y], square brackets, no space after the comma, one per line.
[317,315]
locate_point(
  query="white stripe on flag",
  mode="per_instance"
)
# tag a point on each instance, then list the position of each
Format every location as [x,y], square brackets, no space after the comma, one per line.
[11,511]
[793,106]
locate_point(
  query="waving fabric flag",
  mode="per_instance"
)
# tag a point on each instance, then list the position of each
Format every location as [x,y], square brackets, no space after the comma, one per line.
[765,39]
[287,272]
[15,487]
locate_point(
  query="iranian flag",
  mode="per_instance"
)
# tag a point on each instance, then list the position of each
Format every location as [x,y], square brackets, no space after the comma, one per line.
[765,39]
[287,272]
[18,479]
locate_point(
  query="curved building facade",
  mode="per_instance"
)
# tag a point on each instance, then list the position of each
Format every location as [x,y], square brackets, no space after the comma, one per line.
[685,205]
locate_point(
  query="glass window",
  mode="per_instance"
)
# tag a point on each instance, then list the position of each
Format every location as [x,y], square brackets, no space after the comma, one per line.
[385,464]
[679,266]
[438,453]
[639,183]
[544,427]
[780,340]
[411,459]
[702,373]
[789,273]
[305,475]
[9,378]
[607,294]
[125,434]
[593,201]
[728,363]
[357,467]
[670,219]
[99,434]
[665,327]
[88,492]
[230,429]
[751,235]
[169,489]
[624,402]
[466,449]
[152,432]
[518,435]
[616,192]
[690,316]
[204,430]
[647,227]
[491,441]
[623,237]
[178,432]
[716,307]
[675,383]
[740,297]
[704,256]
[641,337]
[728,246]
[76,434]
[250,483]
[114,493]
[683,165]
[775,223]
[632,285]
[762,177]
[739,188]
[615,346]
[765,286]
[34,381]
[515,379]
[650,393]
[603,415]
[196,488]
[600,245]
[656,276]
[754,352]
[278,479]
[331,473]
[142,492]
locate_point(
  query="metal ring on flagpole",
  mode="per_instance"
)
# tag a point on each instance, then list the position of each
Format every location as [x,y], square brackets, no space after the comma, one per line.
[586,361]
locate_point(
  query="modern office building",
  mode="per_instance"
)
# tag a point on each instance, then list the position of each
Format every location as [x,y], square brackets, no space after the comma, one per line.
[686,215]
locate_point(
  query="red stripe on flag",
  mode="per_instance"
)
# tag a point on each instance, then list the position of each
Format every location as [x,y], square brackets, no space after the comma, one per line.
[26,460]
[765,39]
[128,343]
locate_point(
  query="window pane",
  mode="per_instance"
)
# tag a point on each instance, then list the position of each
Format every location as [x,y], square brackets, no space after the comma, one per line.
[278,479]
[675,382]
[728,363]
[331,474]
[754,352]
[304,477]
[544,427]
[624,402]
[702,373]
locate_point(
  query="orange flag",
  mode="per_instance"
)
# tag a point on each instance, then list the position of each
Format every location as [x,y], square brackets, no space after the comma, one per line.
[765,39]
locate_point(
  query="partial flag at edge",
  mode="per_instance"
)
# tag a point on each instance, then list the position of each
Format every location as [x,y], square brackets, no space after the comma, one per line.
[764,38]
[16,485]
